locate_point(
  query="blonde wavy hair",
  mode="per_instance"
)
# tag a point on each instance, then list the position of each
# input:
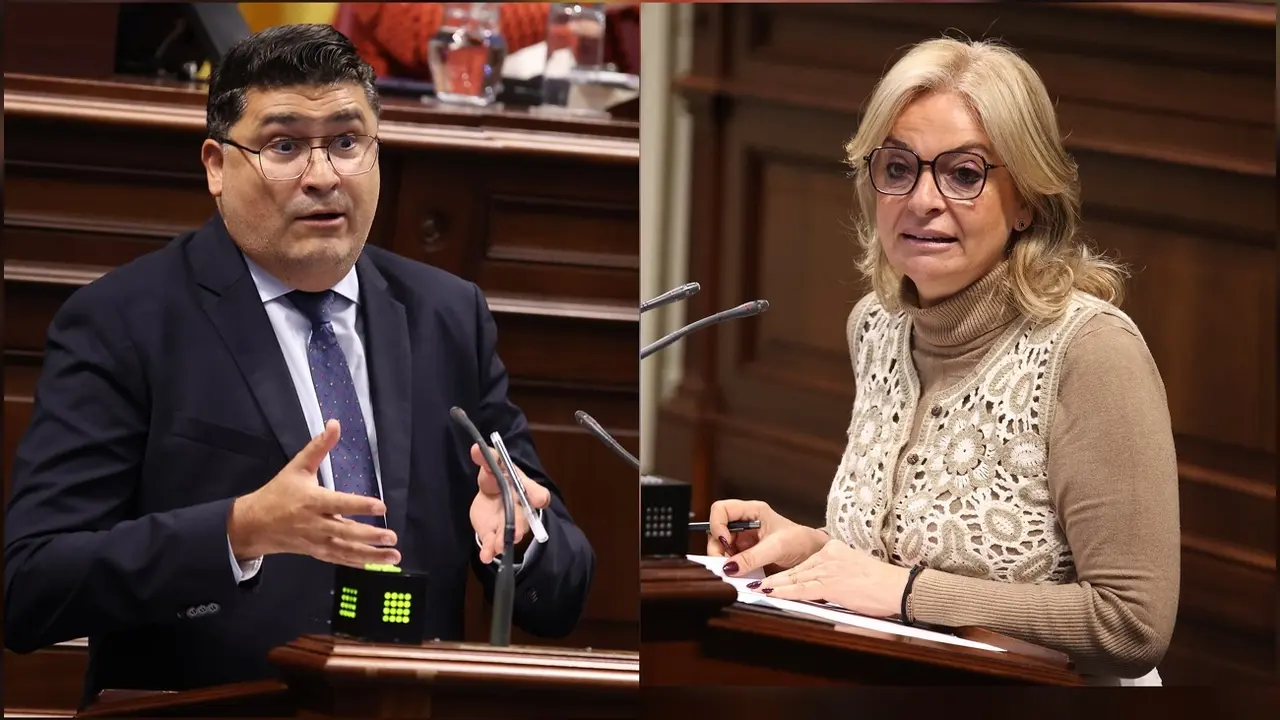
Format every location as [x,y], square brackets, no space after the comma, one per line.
[1046,261]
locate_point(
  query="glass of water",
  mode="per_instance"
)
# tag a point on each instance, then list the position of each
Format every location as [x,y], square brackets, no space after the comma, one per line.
[466,54]
[575,49]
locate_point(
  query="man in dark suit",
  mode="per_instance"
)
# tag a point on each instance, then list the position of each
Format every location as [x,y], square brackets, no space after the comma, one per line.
[220,422]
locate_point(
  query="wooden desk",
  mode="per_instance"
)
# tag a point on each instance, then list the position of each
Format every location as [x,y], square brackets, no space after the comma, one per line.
[542,213]
[691,627]
[331,677]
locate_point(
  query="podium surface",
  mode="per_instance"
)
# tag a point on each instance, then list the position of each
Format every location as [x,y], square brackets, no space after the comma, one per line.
[330,677]
[692,627]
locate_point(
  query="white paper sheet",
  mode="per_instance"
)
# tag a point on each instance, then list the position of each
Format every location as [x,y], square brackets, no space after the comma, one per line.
[832,613]
[525,63]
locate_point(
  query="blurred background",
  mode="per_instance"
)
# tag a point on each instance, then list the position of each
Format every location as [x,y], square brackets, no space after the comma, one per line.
[1169,109]
[510,157]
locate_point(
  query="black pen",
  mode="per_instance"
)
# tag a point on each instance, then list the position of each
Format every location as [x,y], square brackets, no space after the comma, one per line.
[734,526]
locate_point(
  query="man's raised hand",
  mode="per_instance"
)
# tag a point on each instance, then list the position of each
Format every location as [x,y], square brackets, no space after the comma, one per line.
[293,513]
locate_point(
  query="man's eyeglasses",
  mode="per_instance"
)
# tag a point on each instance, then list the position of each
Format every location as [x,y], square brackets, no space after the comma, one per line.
[957,175]
[289,159]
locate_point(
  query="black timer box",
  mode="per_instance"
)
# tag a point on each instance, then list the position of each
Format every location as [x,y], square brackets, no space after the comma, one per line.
[379,603]
[664,516]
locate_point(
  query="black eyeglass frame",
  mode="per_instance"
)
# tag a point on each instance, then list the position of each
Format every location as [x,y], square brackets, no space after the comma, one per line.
[921,164]
[377,149]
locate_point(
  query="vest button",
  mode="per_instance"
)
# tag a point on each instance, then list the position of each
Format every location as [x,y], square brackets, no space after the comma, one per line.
[935,411]
[912,459]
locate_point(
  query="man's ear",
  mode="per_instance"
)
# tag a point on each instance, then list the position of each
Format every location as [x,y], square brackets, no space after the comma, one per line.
[212,157]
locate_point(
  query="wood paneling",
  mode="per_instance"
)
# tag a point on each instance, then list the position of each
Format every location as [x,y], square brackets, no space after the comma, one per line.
[543,214]
[1171,117]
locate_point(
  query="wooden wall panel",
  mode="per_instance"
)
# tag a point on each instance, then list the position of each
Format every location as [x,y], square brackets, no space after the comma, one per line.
[542,215]
[1170,113]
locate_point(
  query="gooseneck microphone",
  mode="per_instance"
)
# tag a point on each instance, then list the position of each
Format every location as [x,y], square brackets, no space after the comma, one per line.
[590,424]
[665,502]
[504,591]
[674,295]
[755,307]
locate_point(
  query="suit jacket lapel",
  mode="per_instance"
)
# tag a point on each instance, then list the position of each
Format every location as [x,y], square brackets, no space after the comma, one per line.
[232,302]
[390,381]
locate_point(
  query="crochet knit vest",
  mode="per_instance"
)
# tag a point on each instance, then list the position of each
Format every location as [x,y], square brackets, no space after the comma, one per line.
[971,496]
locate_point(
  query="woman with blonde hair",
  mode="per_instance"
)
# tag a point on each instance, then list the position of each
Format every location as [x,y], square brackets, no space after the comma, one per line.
[1010,461]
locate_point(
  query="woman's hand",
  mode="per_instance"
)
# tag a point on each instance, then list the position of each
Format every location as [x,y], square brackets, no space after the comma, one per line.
[779,541]
[844,576]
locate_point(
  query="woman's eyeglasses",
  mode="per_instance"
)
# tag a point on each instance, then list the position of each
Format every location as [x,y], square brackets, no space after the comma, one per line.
[958,175]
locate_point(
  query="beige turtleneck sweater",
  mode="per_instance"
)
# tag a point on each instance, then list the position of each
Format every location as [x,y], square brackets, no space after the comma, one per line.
[1113,478]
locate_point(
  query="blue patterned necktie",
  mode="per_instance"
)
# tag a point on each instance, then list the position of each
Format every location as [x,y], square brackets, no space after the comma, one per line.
[351,460]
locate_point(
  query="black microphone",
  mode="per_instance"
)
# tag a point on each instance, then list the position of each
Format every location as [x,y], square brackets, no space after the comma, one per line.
[670,296]
[504,591]
[755,307]
[590,423]
[664,503]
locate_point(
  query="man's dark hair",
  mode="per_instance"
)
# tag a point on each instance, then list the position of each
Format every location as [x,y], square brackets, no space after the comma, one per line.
[282,56]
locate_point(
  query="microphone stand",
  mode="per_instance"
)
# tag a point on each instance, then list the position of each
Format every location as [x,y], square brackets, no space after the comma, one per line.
[594,427]
[504,591]
[755,307]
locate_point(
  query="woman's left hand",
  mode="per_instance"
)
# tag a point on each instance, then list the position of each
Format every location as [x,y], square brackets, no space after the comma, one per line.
[844,576]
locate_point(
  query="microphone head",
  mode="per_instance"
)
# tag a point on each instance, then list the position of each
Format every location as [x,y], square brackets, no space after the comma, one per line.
[747,309]
[460,418]
[591,424]
[673,295]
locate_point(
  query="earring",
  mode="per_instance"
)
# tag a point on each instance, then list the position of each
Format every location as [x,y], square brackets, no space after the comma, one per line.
[1022,225]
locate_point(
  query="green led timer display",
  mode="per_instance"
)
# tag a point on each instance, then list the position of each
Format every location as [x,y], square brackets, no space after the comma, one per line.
[347,603]
[377,603]
[395,607]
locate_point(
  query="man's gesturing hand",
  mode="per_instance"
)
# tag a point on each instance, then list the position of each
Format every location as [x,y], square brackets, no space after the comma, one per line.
[487,516]
[293,513]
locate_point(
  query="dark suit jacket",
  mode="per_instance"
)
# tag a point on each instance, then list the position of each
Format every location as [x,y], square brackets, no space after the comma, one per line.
[165,396]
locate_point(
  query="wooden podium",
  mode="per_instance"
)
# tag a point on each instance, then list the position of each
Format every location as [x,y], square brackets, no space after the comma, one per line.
[690,627]
[329,677]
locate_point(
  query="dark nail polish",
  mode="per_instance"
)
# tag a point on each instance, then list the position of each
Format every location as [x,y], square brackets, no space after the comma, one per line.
[766,591]
[754,584]
[731,568]
[724,543]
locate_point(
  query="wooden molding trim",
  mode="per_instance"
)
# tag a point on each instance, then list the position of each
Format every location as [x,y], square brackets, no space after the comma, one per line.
[1193,472]
[45,273]
[96,226]
[567,258]
[41,273]
[521,305]
[1228,552]
[722,89]
[1245,14]
[191,119]
[448,663]
[100,173]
